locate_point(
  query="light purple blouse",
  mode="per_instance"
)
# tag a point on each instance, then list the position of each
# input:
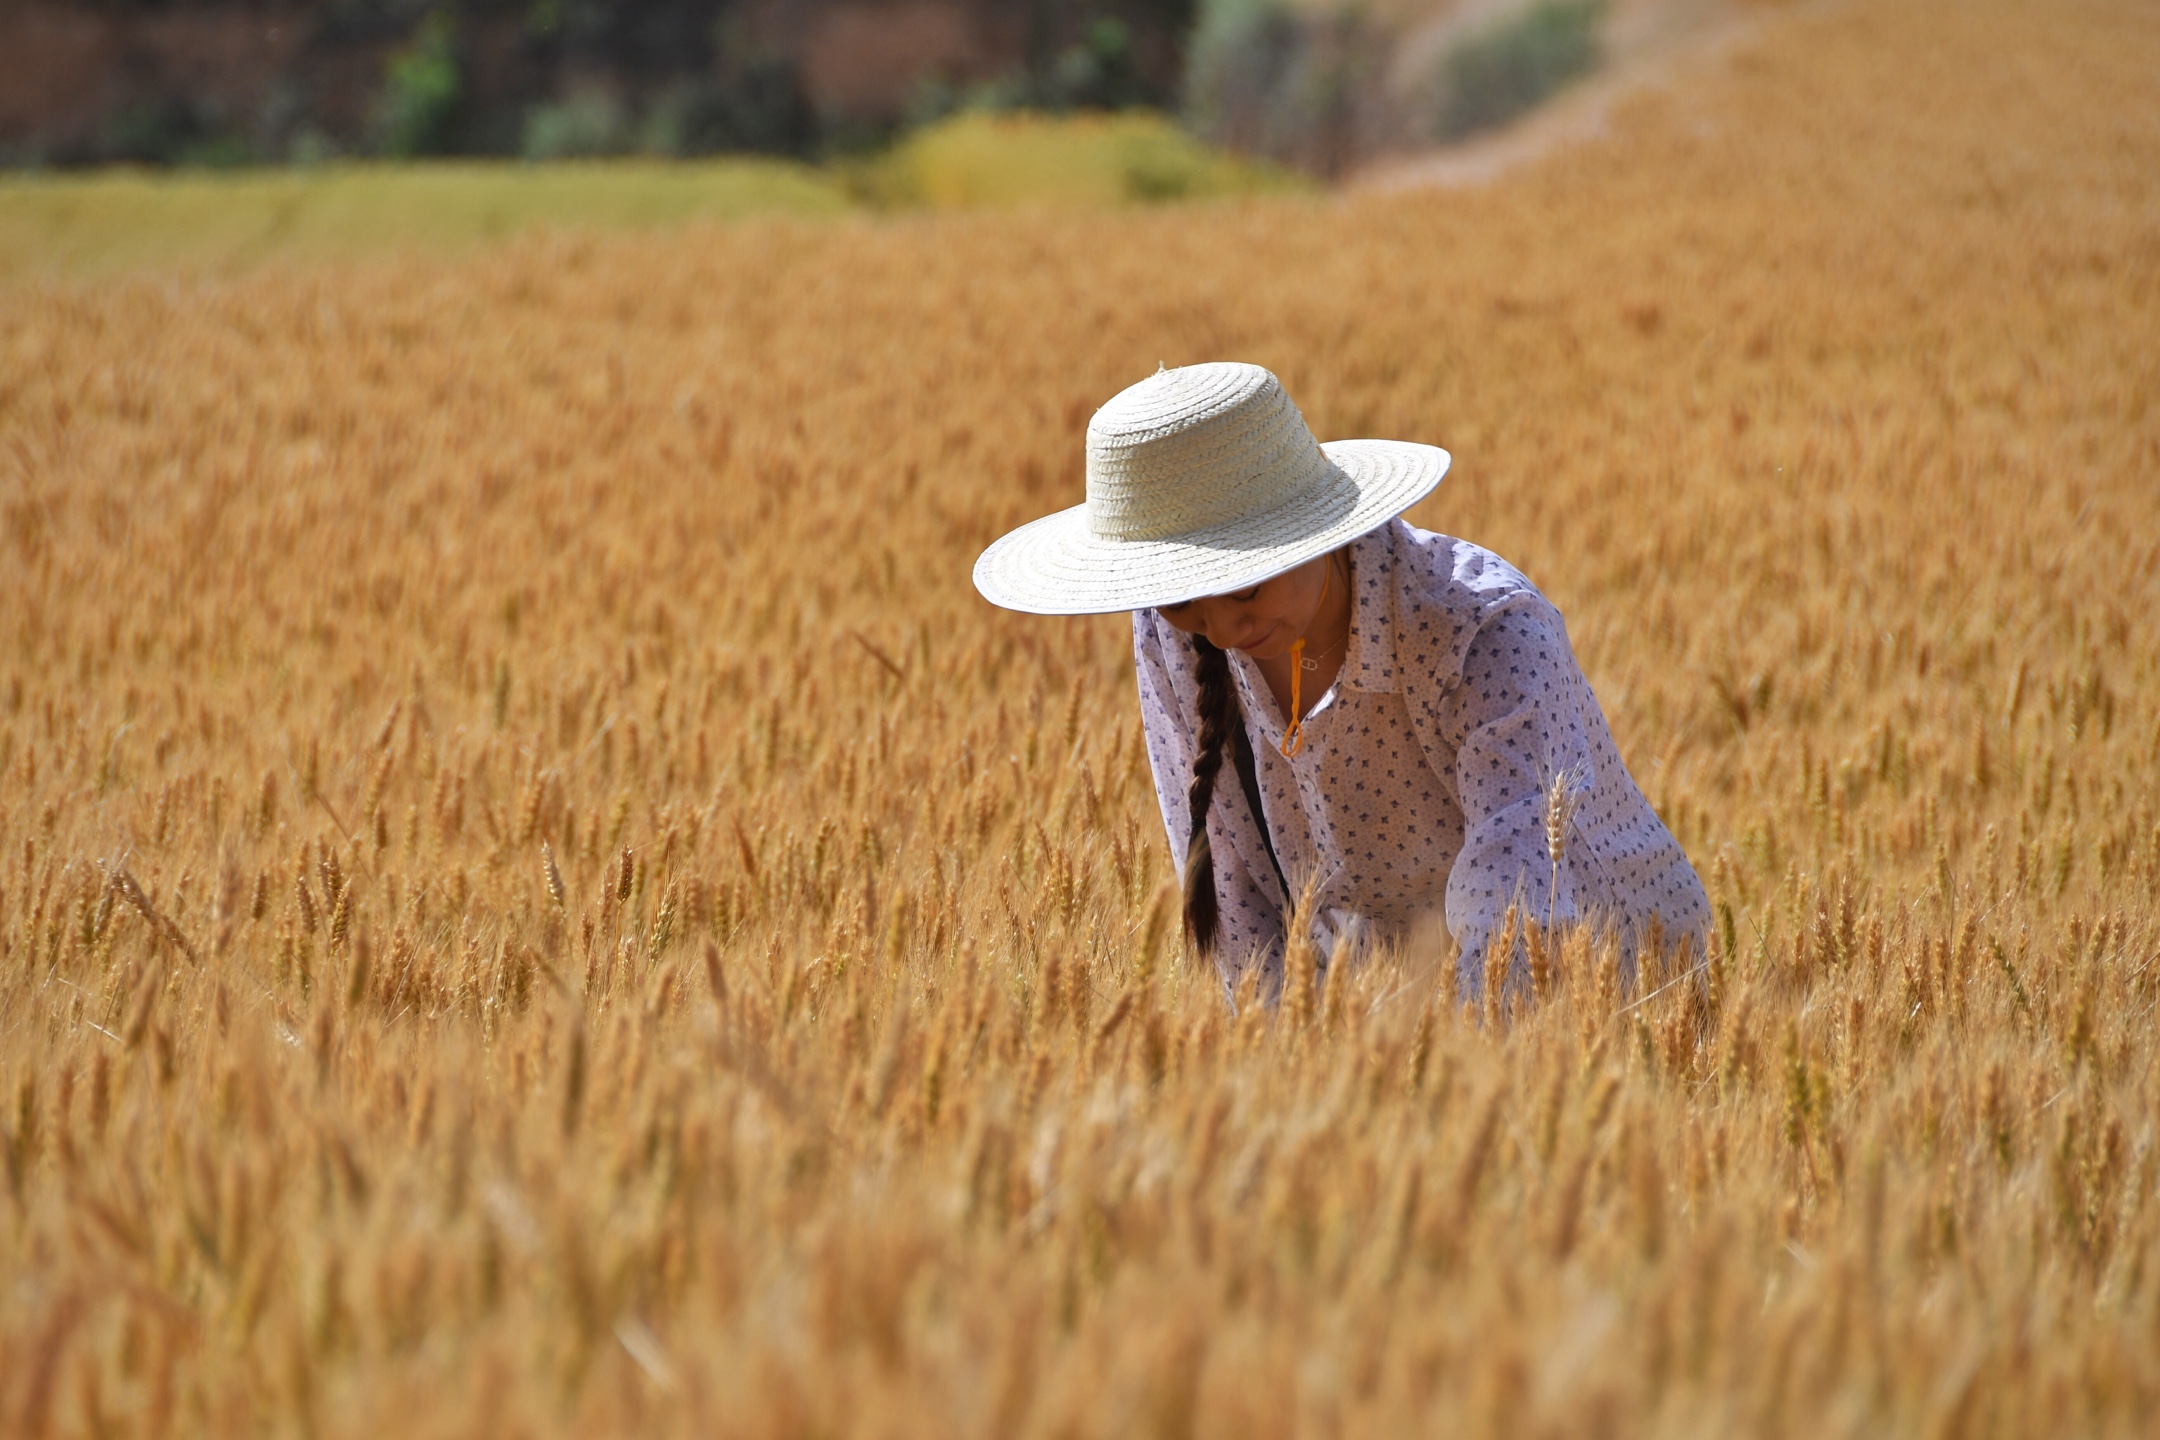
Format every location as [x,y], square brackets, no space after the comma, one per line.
[1421,786]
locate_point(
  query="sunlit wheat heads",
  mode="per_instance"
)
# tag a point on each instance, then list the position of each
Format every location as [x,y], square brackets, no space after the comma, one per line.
[535,900]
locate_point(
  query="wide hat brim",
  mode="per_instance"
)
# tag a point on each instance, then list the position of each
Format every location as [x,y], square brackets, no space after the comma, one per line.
[1058,565]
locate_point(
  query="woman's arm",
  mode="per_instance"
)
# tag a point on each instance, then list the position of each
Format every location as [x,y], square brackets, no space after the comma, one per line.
[1520,712]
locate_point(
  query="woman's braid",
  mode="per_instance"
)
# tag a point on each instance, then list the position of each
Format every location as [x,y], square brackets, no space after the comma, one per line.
[1220,720]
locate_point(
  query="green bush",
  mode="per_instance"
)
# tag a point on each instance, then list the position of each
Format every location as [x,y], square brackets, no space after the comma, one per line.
[418,106]
[757,107]
[151,133]
[1028,158]
[1516,64]
[1268,78]
[1235,62]
[1098,73]
[588,124]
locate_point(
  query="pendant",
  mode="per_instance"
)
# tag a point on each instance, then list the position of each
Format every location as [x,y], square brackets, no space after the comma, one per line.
[1308,665]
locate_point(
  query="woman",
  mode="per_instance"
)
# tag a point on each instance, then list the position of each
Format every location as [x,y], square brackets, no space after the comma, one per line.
[1406,728]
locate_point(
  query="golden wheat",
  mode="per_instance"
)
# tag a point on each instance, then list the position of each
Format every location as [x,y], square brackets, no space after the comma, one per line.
[534,899]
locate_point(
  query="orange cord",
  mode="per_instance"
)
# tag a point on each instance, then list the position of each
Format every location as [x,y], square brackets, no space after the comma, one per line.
[1293,739]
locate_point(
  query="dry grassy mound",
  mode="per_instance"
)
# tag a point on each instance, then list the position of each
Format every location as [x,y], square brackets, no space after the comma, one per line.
[535,900]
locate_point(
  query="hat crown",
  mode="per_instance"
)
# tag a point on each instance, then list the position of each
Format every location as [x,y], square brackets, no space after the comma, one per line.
[1189,450]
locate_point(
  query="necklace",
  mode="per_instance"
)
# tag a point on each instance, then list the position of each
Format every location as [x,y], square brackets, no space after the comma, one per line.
[1312,662]
[1294,738]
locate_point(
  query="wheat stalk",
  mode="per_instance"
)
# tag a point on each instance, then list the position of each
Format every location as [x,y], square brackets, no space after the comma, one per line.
[952,1133]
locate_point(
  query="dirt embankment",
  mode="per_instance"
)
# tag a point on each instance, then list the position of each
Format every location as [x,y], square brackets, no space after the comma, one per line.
[1647,45]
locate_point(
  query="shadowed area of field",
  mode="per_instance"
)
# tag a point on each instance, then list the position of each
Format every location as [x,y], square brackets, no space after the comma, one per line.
[534,899]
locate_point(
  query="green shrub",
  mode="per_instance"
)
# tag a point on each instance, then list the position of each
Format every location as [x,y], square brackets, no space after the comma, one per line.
[1235,62]
[219,152]
[1026,158]
[1098,73]
[1516,64]
[1266,78]
[756,107]
[418,106]
[588,124]
[150,133]
[173,131]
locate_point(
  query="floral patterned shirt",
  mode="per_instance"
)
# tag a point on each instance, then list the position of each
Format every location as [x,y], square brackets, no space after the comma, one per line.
[1421,786]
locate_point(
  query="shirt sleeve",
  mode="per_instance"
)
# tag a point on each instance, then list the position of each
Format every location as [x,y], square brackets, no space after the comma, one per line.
[1520,717]
[1250,925]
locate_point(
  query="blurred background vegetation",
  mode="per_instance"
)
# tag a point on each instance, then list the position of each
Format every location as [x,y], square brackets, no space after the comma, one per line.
[105,222]
[224,133]
[1315,84]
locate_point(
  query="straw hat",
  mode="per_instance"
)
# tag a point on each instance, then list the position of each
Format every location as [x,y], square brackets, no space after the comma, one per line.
[1201,481]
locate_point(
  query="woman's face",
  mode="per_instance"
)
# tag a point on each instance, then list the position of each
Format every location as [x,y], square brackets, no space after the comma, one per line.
[1263,621]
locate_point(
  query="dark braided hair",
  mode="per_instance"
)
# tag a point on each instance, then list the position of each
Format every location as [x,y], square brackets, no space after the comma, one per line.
[1221,722]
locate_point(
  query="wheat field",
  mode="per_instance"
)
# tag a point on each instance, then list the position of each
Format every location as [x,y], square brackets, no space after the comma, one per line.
[534,899]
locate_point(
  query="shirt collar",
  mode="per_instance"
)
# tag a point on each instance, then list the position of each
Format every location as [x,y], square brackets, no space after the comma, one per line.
[1369,664]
